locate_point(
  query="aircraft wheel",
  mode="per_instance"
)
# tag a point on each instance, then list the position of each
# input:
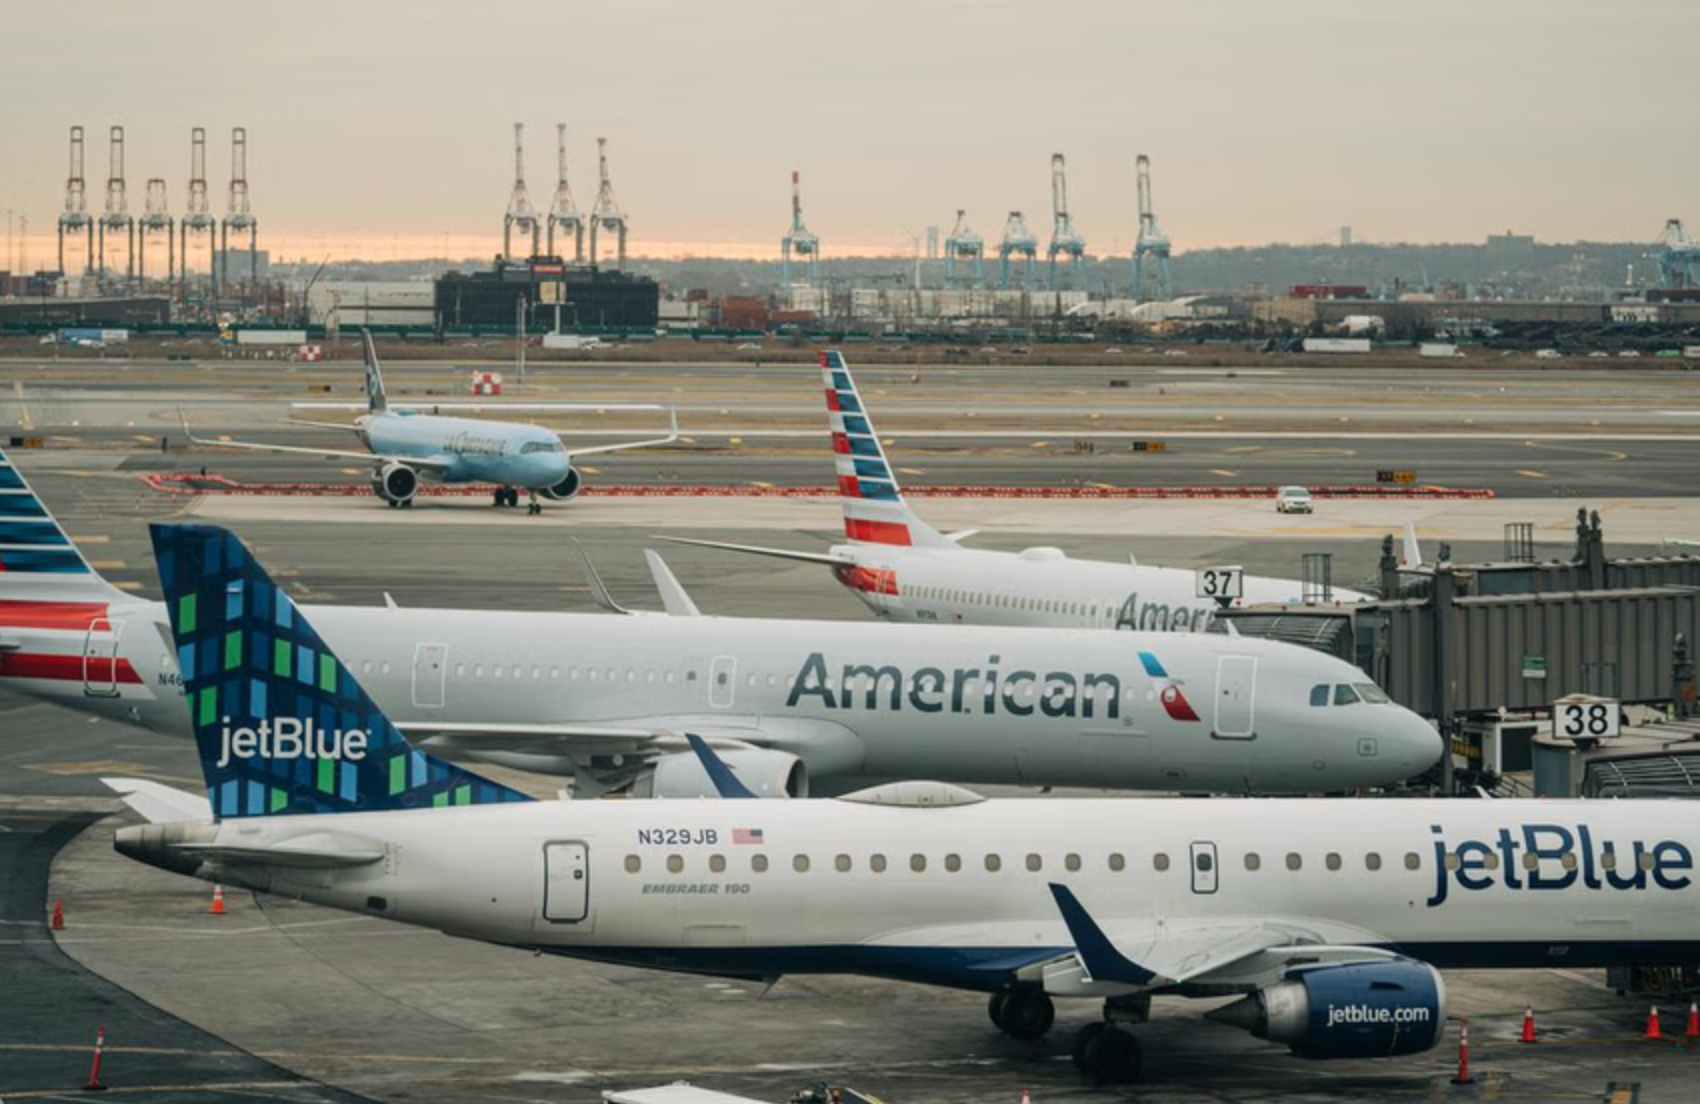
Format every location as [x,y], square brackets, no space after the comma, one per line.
[1027,1014]
[408,505]
[1108,1056]
[995,1007]
[391,503]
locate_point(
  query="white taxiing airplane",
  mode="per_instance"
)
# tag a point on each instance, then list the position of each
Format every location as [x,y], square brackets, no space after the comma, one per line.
[1327,919]
[905,570]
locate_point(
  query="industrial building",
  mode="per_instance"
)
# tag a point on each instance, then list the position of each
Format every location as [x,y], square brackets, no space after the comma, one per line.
[545,293]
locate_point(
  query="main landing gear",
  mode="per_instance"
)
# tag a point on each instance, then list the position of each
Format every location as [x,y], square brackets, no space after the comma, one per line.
[1104,1052]
[509,496]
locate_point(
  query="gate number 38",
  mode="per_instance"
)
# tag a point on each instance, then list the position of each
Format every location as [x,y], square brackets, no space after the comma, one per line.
[1586,720]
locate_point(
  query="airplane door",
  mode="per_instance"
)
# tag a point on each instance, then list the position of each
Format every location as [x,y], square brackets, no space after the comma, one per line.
[100,660]
[1203,867]
[566,882]
[722,681]
[1236,686]
[430,672]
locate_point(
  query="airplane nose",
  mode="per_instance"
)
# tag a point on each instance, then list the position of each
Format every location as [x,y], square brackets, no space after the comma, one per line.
[1420,742]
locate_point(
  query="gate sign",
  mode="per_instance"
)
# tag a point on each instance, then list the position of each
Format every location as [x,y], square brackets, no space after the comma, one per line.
[1224,583]
[1585,718]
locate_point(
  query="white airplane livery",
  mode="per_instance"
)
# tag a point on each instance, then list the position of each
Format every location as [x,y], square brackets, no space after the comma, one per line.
[905,570]
[798,705]
[405,447]
[1328,921]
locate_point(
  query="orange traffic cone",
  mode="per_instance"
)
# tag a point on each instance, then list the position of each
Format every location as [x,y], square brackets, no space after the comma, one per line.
[1025,1099]
[1463,1077]
[95,1084]
[1528,1035]
[217,908]
[58,923]
[1692,1031]
[1652,1031]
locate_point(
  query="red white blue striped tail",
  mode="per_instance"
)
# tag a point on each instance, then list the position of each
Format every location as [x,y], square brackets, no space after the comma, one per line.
[874,510]
[37,558]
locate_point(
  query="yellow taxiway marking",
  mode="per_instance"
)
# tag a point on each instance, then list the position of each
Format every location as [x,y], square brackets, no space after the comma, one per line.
[108,565]
[763,486]
[90,766]
[146,438]
[1246,448]
[97,538]
[1531,474]
[912,471]
[1040,444]
[128,584]
[1223,472]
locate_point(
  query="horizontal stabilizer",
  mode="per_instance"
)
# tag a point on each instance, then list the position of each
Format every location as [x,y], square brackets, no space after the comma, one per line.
[158,803]
[825,558]
[318,849]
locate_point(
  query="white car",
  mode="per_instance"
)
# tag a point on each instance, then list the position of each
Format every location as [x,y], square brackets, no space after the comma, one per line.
[1292,500]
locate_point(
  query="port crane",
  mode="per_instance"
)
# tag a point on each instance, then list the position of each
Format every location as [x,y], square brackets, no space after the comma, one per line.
[563,212]
[964,244]
[1678,257]
[1152,244]
[799,240]
[117,217]
[520,214]
[606,214]
[75,219]
[1065,240]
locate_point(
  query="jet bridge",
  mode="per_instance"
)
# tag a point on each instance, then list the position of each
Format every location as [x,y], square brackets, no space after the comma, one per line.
[1466,644]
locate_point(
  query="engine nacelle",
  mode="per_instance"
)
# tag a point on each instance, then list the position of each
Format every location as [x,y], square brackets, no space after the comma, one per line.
[1357,1010]
[765,773]
[566,488]
[396,483]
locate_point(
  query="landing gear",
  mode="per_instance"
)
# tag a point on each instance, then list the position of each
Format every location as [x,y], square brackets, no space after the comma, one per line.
[1024,1012]
[1106,1055]
[507,496]
[532,506]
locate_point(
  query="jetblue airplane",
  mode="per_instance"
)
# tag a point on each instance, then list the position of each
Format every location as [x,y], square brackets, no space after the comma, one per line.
[406,447]
[905,570]
[1327,919]
[803,704]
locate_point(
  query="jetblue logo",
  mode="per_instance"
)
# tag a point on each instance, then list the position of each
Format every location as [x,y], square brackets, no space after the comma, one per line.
[289,738]
[1556,856]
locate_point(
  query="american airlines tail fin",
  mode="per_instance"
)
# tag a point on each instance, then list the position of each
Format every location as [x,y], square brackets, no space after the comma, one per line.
[281,725]
[38,562]
[376,401]
[874,510]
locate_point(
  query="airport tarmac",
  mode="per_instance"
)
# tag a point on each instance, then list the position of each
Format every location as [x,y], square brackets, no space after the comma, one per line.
[239,1006]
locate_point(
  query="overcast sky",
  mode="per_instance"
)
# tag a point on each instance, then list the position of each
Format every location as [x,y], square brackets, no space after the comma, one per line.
[390,124]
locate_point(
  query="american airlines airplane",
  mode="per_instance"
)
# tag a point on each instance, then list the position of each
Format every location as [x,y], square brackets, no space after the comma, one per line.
[1327,919]
[799,705]
[905,570]
[405,446]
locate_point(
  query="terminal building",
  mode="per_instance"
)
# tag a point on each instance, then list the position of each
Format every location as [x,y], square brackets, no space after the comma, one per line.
[551,294]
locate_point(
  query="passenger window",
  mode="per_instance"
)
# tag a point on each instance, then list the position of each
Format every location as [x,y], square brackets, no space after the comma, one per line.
[1450,860]
[758,864]
[1608,860]
[384,667]
[1204,861]
[1331,860]
[1160,862]
[572,674]
[675,863]
[1071,862]
[365,666]
[1295,861]
[495,670]
[519,672]
[994,863]
[590,674]
[953,863]
[1530,862]
[918,863]
[1253,861]
[1035,863]
[717,863]
[800,863]
[667,676]
[1345,695]
[460,669]
[842,863]
[1117,862]
[1413,861]
[477,670]
[554,674]
[1568,860]
[876,863]
[1646,860]
[1372,861]
[536,673]
[1319,694]
[633,864]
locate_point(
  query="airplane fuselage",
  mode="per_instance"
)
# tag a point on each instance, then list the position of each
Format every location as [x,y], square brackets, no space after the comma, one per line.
[470,450]
[853,701]
[959,895]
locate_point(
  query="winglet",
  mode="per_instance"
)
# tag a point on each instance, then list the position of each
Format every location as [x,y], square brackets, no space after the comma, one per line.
[598,590]
[1412,551]
[1097,954]
[377,402]
[726,783]
[674,599]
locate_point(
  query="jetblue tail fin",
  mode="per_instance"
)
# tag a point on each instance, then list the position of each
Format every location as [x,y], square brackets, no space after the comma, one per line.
[281,725]
[376,401]
[38,562]
[874,510]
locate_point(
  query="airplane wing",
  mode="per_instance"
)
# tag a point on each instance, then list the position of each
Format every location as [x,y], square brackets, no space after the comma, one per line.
[1148,954]
[659,736]
[424,463]
[484,407]
[672,436]
[825,558]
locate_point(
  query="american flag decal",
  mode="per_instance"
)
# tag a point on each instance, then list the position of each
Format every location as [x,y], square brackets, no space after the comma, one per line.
[746,835]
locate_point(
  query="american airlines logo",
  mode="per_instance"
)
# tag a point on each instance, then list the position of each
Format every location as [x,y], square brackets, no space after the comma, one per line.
[960,690]
[290,738]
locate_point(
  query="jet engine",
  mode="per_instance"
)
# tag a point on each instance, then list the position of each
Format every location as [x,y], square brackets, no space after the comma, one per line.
[566,488]
[1356,1010]
[396,484]
[764,773]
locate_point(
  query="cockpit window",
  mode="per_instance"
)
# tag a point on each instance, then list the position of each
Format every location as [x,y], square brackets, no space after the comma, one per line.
[1344,695]
[1319,694]
[1371,693]
[541,446]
